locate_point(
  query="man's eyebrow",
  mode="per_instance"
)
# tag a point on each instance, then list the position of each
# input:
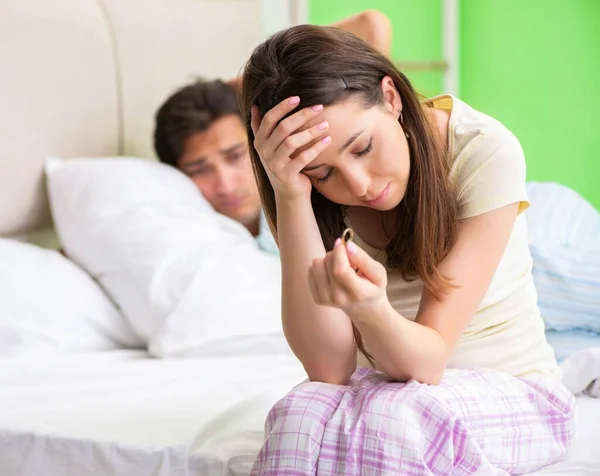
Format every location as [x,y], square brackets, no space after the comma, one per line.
[200,160]
[194,163]
[350,140]
[231,149]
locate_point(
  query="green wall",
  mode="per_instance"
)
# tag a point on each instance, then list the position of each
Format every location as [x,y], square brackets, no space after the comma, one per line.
[534,65]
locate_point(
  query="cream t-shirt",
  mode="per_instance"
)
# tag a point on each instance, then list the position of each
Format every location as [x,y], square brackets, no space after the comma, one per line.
[507,332]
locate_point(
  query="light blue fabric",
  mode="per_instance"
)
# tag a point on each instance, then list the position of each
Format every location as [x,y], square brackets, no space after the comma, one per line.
[560,216]
[265,239]
[566,343]
[564,239]
[567,280]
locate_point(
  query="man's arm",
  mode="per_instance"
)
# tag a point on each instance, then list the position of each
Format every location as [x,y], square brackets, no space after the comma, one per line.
[371,26]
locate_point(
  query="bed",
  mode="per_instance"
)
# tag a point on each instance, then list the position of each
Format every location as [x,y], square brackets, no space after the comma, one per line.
[125,413]
[82,78]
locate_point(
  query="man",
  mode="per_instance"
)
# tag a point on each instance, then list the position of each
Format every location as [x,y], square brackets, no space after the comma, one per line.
[200,131]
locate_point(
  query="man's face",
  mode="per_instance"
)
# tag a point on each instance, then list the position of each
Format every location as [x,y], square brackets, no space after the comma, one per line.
[218,162]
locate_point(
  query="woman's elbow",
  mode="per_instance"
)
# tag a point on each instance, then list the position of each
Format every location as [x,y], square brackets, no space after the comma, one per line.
[430,375]
[430,378]
[329,378]
[334,375]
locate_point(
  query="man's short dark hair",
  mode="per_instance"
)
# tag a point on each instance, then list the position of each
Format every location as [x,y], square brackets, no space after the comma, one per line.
[189,110]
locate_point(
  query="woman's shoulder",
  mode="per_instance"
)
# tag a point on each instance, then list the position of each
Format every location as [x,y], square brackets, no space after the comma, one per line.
[474,136]
[489,166]
[468,123]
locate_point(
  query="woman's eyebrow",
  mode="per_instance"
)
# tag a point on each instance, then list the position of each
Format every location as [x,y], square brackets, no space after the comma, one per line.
[350,140]
[312,167]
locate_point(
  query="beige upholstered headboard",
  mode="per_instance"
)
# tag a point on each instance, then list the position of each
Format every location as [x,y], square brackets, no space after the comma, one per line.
[82,78]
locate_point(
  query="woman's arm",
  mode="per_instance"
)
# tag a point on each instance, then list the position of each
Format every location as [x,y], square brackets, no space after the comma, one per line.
[402,348]
[321,337]
[421,349]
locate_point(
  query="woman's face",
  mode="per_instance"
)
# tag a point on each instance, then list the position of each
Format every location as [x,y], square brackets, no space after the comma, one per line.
[367,163]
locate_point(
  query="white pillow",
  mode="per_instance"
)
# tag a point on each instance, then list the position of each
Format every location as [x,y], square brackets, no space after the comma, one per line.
[560,216]
[189,280]
[47,303]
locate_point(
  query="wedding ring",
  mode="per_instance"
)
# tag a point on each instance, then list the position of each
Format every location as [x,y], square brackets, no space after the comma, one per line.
[348,235]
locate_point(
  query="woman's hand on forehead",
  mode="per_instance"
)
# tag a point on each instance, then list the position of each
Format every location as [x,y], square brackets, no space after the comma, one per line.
[286,146]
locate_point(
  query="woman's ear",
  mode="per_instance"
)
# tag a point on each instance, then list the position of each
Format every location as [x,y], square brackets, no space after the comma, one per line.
[391,96]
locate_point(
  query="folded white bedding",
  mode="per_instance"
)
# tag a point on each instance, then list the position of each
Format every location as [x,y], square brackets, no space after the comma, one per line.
[582,372]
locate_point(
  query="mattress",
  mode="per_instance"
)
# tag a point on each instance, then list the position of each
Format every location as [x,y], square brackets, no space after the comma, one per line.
[66,416]
[123,413]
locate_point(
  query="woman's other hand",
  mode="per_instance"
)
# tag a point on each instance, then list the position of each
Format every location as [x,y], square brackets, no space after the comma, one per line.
[349,279]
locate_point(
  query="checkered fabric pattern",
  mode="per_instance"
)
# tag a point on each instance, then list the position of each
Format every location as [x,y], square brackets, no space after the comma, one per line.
[474,422]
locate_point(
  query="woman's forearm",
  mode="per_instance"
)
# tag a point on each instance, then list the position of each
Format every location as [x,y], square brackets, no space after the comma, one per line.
[403,349]
[321,337]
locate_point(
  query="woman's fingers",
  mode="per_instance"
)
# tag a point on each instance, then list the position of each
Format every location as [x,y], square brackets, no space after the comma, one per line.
[281,159]
[255,119]
[272,117]
[368,267]
[277,140]
[312,284]
[274,132]
[306,157]
[290,125]
[341,275]
[295,141]
[321,280]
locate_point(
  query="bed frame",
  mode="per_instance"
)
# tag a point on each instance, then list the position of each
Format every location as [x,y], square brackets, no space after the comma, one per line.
[82,78]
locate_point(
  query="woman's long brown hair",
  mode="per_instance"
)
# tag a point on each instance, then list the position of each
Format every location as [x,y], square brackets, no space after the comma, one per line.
[326,65]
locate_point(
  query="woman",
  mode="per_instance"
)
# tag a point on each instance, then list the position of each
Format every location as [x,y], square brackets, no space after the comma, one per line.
[436,305]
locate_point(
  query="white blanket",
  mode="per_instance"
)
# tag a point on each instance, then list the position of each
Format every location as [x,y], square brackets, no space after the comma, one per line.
[124,413]
[582,372]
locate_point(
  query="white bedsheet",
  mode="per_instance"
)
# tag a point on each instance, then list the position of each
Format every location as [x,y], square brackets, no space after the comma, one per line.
[88,415]
[146,417]
[584,459]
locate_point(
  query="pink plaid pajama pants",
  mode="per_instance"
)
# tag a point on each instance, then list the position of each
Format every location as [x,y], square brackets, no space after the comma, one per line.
[475,422]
